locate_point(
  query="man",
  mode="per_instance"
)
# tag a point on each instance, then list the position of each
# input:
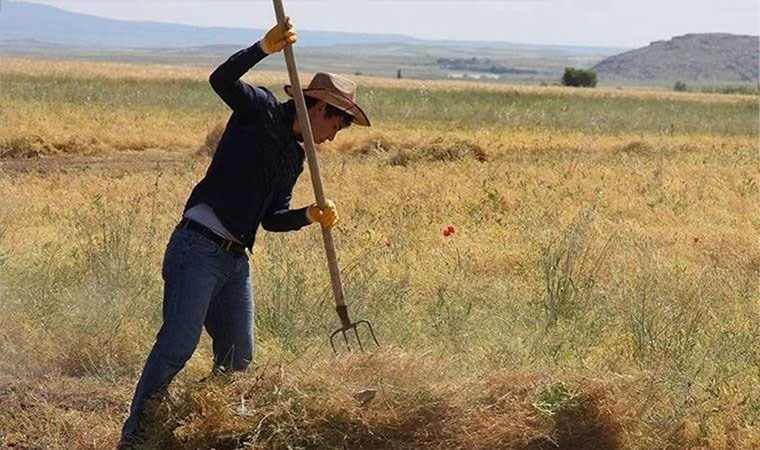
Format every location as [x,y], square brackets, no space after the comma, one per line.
[249,182]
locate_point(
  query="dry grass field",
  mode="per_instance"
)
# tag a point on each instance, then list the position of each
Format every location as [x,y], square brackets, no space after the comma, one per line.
[600,289]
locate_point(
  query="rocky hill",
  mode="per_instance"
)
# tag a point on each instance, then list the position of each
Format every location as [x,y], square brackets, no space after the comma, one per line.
[712,57]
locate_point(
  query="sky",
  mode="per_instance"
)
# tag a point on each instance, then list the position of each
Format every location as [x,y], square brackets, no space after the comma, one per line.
[611,23]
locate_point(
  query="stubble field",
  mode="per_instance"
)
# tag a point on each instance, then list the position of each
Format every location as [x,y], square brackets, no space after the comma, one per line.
[600,289]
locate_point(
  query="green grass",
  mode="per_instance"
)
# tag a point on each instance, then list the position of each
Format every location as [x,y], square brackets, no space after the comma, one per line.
[465,110]
[102,93]
[541,111]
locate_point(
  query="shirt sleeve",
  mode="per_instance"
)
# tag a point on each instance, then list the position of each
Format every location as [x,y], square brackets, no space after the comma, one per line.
[279,216]
[240,96]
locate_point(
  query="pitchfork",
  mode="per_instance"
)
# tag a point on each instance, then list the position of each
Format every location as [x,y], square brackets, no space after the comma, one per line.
[346,325]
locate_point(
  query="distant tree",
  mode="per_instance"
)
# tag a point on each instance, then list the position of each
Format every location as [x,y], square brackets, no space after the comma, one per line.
[398,74]
[579,77]
[680,86]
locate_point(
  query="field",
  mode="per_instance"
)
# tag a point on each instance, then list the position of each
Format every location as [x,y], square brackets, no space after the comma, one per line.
[600,289]
[414,60]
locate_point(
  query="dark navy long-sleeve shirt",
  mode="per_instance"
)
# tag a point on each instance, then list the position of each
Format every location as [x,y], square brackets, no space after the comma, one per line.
[258,160]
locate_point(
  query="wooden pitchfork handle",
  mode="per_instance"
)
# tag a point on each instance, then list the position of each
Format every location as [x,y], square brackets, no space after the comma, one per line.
[316,180]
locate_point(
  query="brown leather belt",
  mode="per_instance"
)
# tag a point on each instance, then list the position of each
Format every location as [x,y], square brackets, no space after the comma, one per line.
[230,246]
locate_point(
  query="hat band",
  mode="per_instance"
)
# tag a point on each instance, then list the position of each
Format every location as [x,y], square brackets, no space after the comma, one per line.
[338,94]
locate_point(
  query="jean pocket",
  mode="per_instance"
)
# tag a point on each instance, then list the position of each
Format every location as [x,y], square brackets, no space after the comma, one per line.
[205,246]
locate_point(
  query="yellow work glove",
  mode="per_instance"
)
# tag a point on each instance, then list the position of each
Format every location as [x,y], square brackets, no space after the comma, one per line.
[327,217]
[275,40]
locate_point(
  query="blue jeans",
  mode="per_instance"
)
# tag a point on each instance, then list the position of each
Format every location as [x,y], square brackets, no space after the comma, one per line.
[204,285]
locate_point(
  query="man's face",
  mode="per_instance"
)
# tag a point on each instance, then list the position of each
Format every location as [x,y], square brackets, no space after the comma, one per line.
[324,128]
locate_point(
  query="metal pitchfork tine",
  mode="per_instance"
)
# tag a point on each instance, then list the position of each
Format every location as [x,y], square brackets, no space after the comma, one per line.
[316,180]
[346,325]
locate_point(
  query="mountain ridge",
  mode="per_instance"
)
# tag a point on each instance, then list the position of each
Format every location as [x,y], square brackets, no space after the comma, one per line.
[20,21]
[694,57]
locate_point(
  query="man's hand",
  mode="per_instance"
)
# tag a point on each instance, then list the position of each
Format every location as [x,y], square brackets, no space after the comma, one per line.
[275,40]
[327,217]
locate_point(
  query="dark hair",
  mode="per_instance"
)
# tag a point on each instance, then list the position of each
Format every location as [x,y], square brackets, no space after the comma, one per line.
[330,110]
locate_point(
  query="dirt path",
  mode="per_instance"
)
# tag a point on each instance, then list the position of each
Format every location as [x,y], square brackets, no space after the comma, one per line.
[118,162]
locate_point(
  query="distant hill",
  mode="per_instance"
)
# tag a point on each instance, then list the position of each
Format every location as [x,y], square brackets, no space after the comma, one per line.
[711,57]
[42,31]
[31,22]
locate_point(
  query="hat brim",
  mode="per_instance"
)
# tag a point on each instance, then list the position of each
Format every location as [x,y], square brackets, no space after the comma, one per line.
[342,103]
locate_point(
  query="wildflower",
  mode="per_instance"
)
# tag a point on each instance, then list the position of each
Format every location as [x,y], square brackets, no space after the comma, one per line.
[695,239]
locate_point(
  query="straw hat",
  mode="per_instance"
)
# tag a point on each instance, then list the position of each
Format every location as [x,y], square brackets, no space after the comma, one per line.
[337,91]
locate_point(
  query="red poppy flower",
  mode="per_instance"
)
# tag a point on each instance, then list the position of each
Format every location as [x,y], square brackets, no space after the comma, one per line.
[695,239]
